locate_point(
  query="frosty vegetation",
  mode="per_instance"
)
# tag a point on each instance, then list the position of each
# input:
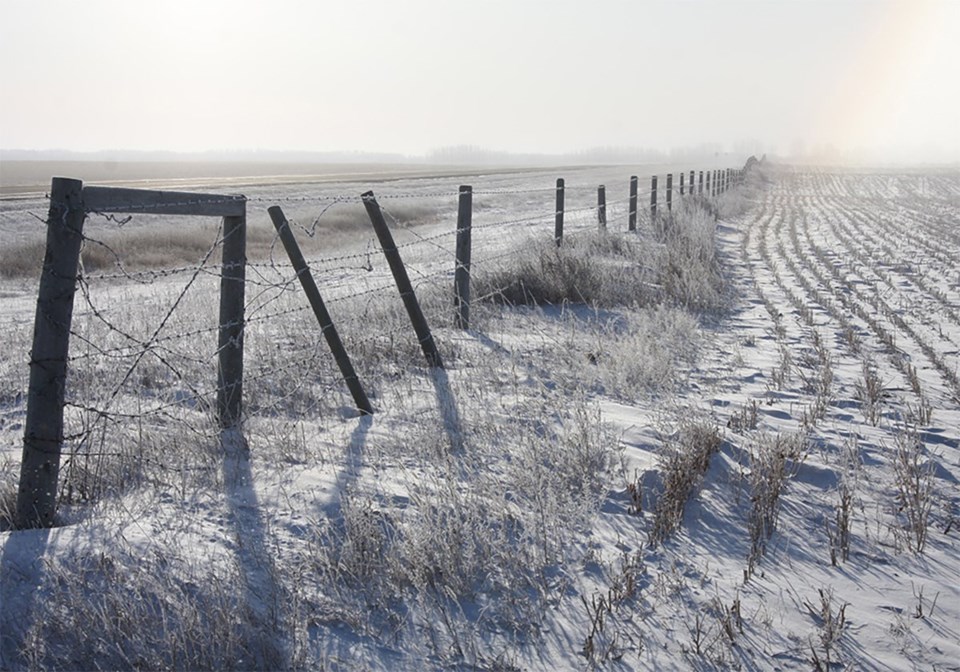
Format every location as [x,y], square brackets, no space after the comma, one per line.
[725,441]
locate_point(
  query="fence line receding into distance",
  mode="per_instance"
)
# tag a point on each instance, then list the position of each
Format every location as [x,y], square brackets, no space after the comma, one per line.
[62,275]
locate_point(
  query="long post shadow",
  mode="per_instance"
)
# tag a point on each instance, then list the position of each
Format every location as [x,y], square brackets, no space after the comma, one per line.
[21,577]
[452,425]
[264,594]
[353,463]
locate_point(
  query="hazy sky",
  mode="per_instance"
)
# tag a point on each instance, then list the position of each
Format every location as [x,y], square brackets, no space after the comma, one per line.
[522,75]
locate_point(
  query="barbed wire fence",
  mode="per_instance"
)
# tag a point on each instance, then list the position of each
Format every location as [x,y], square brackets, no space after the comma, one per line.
[155,360]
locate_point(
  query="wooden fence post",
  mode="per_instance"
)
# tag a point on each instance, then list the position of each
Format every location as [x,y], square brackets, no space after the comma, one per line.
[701,183]
[669,192]
[632,218]
[653,197]
[43,429]
[461,276]
[602,206]
[682,175]
[558,221]
[410,302]
[708,184]
[230,342]
[691,182]
[327,328]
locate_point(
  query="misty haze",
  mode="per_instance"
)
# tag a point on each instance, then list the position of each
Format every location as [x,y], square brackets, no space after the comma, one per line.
[509,335]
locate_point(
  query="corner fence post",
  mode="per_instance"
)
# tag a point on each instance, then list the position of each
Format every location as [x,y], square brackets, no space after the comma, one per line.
[230,342]
[602,206]
[43,429]
[410,302]
[653,197]
[632,222]
[669,192]
[558,223]
[461,275]
[327,327]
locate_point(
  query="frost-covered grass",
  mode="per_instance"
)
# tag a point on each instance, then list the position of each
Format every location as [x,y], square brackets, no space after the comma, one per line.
[605,476]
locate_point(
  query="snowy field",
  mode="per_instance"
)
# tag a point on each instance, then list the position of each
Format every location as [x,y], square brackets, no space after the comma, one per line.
[729,440]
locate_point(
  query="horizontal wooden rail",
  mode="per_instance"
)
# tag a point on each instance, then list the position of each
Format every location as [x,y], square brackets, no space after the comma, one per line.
[119,199]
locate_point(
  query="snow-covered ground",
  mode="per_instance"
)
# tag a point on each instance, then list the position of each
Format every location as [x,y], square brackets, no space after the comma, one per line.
[770,485]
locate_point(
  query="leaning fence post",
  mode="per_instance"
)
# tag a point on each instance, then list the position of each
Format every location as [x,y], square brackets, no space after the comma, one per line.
[653,197]
[669,192]
[230,342]
[602,206]
[632,221]
[327,327]
[410,302]
[461,276]
[43,429]
[558,223]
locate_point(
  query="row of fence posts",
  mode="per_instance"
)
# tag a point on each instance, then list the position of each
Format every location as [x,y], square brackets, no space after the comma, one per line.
[717,182]
[70,201]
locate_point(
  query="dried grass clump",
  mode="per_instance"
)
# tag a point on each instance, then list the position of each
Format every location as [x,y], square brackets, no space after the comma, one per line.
[606,269]
[598,269]
[773,461]
[687,267]
[684,460]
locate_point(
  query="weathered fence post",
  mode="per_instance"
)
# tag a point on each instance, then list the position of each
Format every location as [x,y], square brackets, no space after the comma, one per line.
[43,430]
[230,342]
[602,206]
[632,217]
[691,182]
[558,221]
[461,275]
[681,184]
[653,197]
[669,192]
[327,328]
[410,302]
[701,183]
[708,184]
